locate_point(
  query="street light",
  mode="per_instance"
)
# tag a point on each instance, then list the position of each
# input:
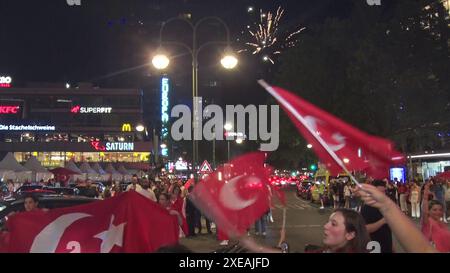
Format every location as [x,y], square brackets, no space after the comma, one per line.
[239,140]
[228,61]
[140,128]
[309,146]
[160,61]
[228,127]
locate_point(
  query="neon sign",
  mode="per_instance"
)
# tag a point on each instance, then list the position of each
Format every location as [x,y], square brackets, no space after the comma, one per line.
[164,100]
[12,127]
[126,127]
[164,112]
[112,146]
[90,110]
[9,109]
[5,81]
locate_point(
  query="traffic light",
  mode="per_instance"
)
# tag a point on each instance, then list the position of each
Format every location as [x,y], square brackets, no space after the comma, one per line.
[313,167]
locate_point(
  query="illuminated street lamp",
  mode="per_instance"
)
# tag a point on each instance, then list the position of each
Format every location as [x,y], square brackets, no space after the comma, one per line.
[239,140]
[228,127]
[228,61]
[309,146]
[140,128]
[160,61]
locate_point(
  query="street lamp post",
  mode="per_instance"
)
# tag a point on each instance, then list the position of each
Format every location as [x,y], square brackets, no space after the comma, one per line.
[228,127]
[229,61]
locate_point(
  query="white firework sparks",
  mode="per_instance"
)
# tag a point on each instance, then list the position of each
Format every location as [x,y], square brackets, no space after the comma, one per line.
[265,38]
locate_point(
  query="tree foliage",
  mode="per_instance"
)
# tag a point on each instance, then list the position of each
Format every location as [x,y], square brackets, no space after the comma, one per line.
[383,69]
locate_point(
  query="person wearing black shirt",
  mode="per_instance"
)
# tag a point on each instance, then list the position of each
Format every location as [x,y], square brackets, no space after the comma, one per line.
[376,224]
[192,214]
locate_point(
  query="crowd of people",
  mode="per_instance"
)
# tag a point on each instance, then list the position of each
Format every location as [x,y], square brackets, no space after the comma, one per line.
[407,195]
[381,216]
[364,218]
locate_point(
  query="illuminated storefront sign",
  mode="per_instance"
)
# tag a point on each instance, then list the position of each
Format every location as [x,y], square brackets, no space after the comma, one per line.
[6,109]
[14,127]
[5,81]
[126,127]
[113,146]
[164,112]
[181,165]
[90,110]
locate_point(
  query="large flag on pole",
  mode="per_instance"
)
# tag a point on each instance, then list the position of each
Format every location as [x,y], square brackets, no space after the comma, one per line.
[235,195]
[127,223]
[339,146]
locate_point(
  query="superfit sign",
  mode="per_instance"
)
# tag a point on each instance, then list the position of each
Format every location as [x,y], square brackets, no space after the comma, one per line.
[9,109]
[90,110]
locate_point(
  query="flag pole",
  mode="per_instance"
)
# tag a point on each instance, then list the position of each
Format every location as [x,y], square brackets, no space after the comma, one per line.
[302,120]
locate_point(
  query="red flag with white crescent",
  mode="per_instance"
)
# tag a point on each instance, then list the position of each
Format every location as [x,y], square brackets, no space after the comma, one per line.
[235,195]
[127,223]
[357,150]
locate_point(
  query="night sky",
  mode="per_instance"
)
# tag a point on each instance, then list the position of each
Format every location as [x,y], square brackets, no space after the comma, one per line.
[109,42]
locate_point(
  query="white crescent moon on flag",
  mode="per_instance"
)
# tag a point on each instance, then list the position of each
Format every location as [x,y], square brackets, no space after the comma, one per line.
[312,122]
[48,239]
[229,198]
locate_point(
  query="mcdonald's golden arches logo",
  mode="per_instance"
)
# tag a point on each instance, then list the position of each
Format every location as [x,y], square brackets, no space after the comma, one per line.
[126,127]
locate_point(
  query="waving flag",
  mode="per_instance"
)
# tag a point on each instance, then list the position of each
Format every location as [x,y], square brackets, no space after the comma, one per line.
[126,223]
[235,195]
[338,145]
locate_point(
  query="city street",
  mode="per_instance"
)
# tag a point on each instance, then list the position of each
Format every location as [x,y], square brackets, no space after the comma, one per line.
[118,131]
[304,225]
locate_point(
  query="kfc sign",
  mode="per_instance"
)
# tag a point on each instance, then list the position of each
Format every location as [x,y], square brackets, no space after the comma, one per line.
[6,109]
[5,81]
[90,110]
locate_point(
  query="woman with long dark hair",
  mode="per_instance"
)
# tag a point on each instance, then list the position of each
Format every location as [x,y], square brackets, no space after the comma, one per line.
[344,232]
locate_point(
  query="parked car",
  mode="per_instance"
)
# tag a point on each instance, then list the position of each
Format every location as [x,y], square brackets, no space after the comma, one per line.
[47,201]
[304,189]
[40,190]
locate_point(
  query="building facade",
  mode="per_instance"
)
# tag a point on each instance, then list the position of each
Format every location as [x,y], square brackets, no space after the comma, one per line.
[57,123]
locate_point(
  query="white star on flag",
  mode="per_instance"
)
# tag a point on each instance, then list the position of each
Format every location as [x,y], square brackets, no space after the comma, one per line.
[111,237]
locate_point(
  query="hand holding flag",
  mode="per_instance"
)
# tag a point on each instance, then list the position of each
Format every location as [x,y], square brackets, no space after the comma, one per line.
[235,195]
[339,145]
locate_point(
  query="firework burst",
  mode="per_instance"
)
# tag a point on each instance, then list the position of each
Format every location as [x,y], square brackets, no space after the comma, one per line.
[266,39]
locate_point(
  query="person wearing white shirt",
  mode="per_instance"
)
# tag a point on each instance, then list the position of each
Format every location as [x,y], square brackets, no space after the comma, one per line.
[146,191]
[134,184]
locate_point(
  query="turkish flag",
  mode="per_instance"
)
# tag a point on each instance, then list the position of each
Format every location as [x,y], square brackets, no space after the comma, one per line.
[236,194]
[129,222]
[358,151]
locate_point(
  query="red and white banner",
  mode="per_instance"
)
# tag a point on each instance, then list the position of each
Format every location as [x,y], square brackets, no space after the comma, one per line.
[236,196]
[126,223]
[336,143]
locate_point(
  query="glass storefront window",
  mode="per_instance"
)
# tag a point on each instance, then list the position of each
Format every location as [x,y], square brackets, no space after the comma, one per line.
[433,168]
[58,159]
